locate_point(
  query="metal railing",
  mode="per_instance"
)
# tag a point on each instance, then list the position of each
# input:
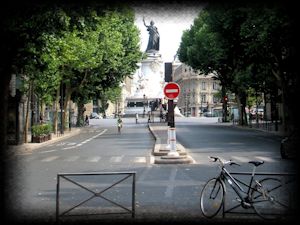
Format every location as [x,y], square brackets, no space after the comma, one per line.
[291,180]
[70,177]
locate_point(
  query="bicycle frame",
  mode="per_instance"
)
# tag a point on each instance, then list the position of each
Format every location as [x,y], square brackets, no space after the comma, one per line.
[257,193]
[234,183]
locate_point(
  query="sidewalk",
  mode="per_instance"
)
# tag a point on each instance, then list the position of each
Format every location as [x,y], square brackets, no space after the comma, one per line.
[260,127]
[28,147]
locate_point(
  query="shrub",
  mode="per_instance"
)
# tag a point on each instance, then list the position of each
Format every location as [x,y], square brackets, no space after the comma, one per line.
[41,129]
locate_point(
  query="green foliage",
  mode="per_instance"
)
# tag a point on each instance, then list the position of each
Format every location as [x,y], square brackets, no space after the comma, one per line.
[88,47]
[250,46]
[41,129]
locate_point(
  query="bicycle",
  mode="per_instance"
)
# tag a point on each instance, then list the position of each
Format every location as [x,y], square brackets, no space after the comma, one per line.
[119,124]
[265,196]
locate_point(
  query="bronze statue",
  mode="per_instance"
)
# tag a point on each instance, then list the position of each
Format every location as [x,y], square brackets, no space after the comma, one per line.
[153,42]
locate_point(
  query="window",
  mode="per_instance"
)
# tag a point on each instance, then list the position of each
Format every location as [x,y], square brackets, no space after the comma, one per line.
[203,98]
[215,99]
[215,86]
[203,85]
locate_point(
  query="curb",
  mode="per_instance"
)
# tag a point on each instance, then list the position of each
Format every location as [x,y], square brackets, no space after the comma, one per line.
[32,146]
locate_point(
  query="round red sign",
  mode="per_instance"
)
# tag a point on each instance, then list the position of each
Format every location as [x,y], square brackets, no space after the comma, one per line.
[171,90]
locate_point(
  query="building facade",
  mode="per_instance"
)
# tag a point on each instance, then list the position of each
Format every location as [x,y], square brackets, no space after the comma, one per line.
[199,92]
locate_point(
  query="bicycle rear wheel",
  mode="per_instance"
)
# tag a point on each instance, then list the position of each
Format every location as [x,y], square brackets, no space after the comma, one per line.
[269,199]
[212,197]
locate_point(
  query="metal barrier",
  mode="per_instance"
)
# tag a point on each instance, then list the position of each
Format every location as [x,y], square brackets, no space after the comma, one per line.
[266,175]
[95,194]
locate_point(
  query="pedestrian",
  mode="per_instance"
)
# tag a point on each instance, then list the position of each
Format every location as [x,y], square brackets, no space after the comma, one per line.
[119,124]
[136,117]
[149,117]
[86,122]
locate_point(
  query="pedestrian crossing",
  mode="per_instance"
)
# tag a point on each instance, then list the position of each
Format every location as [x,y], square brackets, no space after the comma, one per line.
[239,159]
[90,159]
[140,159]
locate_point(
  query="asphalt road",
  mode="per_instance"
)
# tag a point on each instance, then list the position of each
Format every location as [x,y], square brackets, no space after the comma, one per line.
[162,192]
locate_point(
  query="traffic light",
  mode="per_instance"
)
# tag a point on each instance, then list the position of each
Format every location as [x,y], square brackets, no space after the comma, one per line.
[225,99]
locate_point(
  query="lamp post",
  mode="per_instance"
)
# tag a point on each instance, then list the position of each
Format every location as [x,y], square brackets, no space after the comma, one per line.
[144,112]
[201,101]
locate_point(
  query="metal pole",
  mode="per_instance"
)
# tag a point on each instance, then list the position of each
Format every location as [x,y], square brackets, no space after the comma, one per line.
[57,199]
[133,196]
[172,129]
[61,108]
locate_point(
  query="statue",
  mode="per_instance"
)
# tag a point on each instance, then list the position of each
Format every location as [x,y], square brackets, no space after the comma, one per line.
[153,42]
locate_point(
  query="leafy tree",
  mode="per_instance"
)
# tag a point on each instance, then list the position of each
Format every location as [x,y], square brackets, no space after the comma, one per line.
[84,47]
[247,45]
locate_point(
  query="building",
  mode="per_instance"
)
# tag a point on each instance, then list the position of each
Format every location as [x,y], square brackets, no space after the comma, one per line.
[199,94]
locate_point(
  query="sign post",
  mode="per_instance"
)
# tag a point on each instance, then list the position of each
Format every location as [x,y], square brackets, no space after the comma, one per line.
[171,91]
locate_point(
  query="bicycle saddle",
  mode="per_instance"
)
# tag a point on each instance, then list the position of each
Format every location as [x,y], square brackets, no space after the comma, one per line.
[256,163]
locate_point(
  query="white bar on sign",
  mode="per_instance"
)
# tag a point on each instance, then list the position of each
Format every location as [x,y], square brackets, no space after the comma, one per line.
[171,90]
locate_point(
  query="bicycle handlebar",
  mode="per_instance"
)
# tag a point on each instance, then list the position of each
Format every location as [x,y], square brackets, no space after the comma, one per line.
[223,162]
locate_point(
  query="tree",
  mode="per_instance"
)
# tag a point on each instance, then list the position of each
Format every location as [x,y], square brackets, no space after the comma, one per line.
[203,48]
[248,45]
[83,46]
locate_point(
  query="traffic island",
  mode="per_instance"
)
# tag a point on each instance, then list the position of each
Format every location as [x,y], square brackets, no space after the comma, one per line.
[161,151]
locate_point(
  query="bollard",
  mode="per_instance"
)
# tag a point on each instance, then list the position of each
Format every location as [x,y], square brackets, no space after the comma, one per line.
[168,146]
[173,151]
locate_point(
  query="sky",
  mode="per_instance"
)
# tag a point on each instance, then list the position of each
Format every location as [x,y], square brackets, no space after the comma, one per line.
[170,19]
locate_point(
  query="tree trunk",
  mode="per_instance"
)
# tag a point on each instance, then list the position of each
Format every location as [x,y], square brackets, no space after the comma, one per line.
[67,98]
[26,124]
[241,100]
[224,104]
[80,119]
[55,115]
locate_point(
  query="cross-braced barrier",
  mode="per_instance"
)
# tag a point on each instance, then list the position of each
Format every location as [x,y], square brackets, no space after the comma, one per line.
[89,183]
[285,188]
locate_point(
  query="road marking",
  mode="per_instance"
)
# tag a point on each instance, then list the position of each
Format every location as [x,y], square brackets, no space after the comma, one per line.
[267,159]
[171,184]
[51,158]
[152,159]
[72,158]
[241,159]
[53,150]
[116,159]
[62,143]
[94,159]
[140,160]
[69,147]
[72,143]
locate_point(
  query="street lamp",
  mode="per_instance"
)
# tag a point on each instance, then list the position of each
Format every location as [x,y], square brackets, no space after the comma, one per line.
[144,112]
[201,101]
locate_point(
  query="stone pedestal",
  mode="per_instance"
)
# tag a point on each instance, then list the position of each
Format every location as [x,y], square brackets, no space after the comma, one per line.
[150,78]
[148,83]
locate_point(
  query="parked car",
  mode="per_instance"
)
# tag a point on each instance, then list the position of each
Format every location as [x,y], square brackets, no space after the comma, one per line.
[209,114]
[289,144]
[95,116]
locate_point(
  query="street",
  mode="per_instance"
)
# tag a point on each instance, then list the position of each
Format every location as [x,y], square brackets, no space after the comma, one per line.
[162,191]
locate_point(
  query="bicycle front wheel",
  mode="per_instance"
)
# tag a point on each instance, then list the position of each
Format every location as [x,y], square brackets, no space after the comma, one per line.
[269,199]
[212,197]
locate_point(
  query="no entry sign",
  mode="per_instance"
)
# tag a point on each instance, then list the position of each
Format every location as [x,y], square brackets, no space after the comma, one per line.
[171,90]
